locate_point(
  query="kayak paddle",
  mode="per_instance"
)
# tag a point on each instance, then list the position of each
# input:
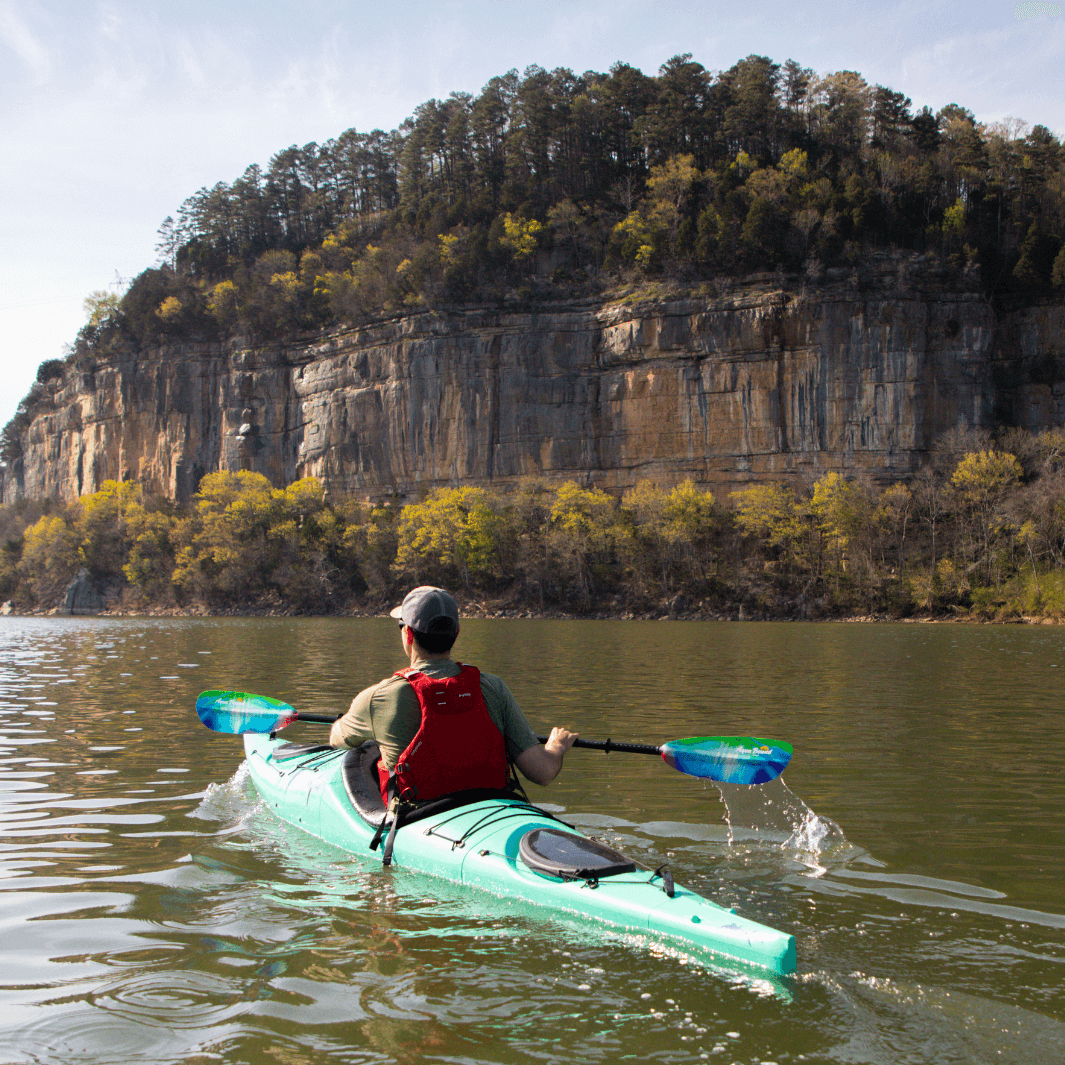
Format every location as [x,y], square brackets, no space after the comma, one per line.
[238,712]
[727,759]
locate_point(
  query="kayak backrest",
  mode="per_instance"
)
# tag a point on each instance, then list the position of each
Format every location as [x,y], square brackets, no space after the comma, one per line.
[571,857]
[361,782]
[359,771]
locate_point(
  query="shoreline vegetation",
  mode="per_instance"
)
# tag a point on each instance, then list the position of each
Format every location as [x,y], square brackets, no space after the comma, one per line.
[978,534]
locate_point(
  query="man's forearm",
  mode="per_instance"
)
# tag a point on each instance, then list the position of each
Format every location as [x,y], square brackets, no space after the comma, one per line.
[542,763]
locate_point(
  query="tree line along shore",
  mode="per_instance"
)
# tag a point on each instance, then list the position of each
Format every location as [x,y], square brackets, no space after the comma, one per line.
[978,533]
[551,184]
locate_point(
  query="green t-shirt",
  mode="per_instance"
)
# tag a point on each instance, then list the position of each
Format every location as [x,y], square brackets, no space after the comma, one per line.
[389,713]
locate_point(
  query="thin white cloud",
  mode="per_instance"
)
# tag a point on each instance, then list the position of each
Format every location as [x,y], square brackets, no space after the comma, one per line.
[17,35]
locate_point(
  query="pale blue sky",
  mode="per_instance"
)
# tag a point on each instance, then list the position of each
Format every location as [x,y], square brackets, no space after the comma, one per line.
[113,112]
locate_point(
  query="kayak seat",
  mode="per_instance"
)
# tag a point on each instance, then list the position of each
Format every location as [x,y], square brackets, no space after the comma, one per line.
[571,857]
[359,772]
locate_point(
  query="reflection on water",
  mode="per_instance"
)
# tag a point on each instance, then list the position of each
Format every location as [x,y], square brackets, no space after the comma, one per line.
[152,910]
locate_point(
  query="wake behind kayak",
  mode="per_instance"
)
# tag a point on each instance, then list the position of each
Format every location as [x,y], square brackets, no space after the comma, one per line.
[503,844]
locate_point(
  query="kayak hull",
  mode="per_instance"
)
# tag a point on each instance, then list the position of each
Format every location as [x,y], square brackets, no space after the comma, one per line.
[478,845]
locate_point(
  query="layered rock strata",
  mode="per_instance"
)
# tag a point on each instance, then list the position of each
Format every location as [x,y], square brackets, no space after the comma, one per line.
[858,374]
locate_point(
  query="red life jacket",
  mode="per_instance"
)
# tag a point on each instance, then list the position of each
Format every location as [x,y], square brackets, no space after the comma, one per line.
[457,746]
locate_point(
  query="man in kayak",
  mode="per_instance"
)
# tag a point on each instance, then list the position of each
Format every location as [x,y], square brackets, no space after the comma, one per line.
[443,726]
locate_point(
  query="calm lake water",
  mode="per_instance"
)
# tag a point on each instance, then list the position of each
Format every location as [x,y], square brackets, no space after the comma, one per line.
[153,911]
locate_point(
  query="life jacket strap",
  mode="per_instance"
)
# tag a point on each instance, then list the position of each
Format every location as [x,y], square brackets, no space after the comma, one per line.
[397,821]
[376,841]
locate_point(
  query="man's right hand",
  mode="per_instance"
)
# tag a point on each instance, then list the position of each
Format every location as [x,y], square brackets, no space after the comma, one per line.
[560,740]
[542,763]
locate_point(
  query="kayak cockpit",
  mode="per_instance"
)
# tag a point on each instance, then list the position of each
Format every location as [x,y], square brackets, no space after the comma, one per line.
[571,857]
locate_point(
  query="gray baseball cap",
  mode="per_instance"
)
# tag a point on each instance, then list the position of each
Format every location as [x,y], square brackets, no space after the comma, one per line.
[430,611]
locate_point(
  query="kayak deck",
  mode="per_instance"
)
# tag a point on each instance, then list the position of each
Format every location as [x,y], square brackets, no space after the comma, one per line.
[479,844]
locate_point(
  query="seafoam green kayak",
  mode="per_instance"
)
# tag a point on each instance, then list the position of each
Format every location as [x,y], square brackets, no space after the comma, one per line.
[505,845]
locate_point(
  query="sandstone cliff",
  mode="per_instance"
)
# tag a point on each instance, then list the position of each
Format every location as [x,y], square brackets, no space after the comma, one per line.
[858,372]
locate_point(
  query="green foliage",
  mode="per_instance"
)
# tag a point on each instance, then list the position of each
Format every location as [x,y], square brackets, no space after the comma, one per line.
[940,589]
[835,507]
[632,242]
[92,533]
[983,477]
[954,219]
[673,545]
[243,539]
[100,522]
[161,303]
[1041,595]
[686,171]
[452,536]
[769,514]
[669,190]
[50,370]
[222,304]
[150,560]
[369,544]
[520,237]
[170,309]
[49,560]
[10,550]
[982,531]
[581,538]
[1034,269]
[1057,276]
[101,307]
[982,480]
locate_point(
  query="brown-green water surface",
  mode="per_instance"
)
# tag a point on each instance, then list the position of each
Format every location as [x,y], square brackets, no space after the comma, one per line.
[151,910]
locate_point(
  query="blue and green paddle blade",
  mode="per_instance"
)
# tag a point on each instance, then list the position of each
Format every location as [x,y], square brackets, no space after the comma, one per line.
[728,759]
[238,712]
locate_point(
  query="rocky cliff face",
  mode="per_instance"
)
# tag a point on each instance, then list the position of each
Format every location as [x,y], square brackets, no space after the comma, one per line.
[858,373]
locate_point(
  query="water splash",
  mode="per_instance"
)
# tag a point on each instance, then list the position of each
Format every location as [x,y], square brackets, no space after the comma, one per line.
[772,813]
[232,803]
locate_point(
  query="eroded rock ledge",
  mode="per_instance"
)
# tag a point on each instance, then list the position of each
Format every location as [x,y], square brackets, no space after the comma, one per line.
[763,382]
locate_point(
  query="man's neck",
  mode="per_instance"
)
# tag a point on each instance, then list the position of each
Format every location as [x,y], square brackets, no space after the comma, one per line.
[417,654]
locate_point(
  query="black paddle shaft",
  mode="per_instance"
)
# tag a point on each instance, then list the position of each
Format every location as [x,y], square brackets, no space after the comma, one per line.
[611,745]
[591,745]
